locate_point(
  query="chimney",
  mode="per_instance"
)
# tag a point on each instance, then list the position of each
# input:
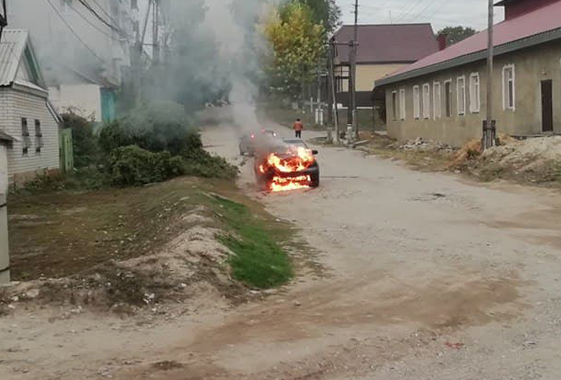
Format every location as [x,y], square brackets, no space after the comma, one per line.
[441,41]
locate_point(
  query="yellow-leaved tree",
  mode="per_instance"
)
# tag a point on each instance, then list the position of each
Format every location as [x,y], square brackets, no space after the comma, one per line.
[296,43]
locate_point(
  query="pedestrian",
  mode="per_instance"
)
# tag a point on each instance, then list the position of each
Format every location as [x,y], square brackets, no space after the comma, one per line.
[298,126]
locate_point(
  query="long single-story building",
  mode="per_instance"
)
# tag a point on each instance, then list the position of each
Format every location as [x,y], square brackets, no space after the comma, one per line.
[442,97]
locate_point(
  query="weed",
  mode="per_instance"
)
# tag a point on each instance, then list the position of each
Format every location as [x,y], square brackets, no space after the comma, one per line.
[258,261]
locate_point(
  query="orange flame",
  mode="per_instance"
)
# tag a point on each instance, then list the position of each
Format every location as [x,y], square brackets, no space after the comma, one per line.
[286,184]
[295,160]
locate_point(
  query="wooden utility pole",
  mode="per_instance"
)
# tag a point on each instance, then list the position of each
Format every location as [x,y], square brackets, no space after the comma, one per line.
[489,130]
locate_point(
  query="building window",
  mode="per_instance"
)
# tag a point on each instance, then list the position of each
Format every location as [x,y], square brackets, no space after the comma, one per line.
[474,93]
[416,102]
[134,4]
[26,144]
[448,97]
[426,101]
[509,88]
[437,99]
[461,88]
[402,109]
[38,136]
[394,105]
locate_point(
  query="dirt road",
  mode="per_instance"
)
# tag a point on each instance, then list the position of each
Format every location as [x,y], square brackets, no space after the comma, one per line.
[426,276]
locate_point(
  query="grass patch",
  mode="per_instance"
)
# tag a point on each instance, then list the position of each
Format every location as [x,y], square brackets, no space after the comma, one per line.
[259,261]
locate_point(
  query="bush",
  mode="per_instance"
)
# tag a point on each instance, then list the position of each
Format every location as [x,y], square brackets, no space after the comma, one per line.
[134,166]
[156,127]
[86,150]
[203,164]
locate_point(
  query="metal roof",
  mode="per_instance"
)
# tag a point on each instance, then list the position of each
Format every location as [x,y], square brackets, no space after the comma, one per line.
[539,26]
[12,47]
[6,137]
[388,43]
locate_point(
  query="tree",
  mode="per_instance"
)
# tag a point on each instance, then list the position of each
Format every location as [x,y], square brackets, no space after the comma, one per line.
[326,12]
[455,34]
[297,43]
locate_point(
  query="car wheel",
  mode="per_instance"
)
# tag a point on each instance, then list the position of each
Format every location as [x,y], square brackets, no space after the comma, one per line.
[315,181]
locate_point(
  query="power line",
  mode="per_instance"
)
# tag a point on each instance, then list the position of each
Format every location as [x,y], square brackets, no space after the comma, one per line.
[94,12]
[74,32]
[105,12]
[91,23]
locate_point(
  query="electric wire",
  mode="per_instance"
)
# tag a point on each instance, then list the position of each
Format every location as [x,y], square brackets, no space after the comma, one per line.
[74,32]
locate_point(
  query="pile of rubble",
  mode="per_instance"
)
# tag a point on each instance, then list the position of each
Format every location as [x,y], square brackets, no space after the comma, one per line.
[535,160]
[422,145]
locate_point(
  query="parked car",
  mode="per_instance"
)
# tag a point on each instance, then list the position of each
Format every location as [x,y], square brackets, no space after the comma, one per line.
[251,141]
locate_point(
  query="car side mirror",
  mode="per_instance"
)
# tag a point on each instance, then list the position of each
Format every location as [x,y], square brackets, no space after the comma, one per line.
[315,152]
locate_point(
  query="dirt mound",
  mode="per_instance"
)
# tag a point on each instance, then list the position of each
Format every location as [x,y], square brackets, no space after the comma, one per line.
[173,273]
[535,160]
[473,149]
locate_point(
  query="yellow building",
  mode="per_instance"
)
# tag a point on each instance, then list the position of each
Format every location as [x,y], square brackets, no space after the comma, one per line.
[383,49]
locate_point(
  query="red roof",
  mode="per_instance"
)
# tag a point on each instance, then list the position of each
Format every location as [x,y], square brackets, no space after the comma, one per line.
[394,43]
[542,20]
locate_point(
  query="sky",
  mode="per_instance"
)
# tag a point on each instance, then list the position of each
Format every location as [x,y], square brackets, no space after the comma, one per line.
[440,13]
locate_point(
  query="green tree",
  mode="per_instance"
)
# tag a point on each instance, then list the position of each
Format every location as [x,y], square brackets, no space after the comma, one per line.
[326,12]
[297,42]
[455,34]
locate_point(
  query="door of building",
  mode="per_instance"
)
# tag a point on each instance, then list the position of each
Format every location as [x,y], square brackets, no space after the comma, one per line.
[547,105]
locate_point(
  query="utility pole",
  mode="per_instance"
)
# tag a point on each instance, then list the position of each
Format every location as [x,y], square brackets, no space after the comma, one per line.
[155,32]
[319,110]
[3,18]
[332,116]
[354,52]
[4,248]
[489,127]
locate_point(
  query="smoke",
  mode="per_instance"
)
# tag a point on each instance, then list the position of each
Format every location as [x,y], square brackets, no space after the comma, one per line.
[217,54]
[233,23]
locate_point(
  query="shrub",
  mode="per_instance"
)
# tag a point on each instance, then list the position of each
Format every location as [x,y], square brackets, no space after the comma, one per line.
[134,166]
[156,127]
[86,150]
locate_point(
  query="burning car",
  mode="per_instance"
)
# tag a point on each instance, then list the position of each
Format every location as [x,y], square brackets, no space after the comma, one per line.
[249,142]
[288,166]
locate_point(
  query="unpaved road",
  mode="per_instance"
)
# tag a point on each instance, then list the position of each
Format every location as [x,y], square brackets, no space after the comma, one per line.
[426,277]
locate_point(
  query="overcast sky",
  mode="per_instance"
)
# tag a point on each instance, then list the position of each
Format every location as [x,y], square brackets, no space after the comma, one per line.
[440,13]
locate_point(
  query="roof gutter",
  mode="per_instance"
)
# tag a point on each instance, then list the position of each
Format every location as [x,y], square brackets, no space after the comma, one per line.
[509,47]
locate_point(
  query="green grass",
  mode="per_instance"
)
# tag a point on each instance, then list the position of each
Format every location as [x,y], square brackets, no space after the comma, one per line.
[258,261]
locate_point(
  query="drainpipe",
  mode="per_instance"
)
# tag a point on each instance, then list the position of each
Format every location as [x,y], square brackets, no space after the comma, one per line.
[4,252]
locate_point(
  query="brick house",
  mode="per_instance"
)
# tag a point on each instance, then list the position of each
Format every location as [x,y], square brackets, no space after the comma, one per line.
[26,116]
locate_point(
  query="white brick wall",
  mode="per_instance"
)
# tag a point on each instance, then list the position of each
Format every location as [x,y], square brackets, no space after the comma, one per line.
[15,105]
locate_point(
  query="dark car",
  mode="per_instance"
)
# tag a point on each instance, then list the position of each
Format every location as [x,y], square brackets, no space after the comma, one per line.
[251,141]
[287,151]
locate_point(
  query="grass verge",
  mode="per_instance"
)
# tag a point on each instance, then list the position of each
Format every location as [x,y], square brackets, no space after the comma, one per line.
[259,261]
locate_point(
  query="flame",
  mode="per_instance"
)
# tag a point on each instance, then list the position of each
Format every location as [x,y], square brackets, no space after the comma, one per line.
[296,159]
[286,184]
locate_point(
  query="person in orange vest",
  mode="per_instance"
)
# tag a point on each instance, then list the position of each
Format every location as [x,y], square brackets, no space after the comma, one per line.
[298,126]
